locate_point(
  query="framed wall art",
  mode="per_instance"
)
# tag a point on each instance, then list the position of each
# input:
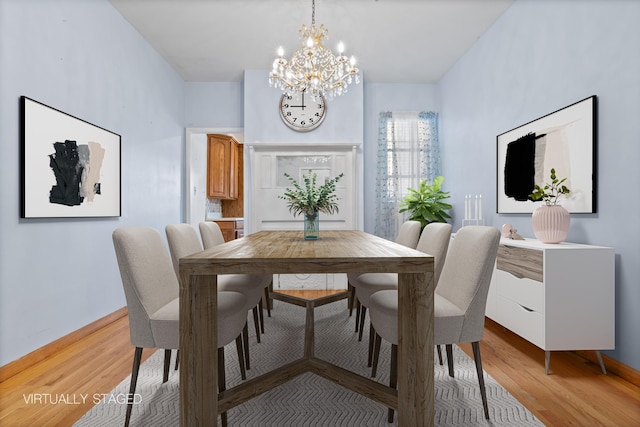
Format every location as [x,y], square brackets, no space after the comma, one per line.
[564,140]
[70,167]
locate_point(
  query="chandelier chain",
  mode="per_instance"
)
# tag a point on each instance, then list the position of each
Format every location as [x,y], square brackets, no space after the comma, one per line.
[313,12]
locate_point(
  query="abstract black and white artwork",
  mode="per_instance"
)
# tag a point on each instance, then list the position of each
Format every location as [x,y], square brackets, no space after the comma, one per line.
[564,140]
[70,167]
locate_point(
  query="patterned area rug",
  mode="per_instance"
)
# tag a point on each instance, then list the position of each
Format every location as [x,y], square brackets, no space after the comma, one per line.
[309,400]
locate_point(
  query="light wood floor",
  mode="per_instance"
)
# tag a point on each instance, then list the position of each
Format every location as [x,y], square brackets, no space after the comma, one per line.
[575,393]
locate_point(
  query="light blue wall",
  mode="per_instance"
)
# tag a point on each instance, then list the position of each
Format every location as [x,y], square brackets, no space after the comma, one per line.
[538,57]
[214,105]
[262,122]
[83,58]
[380,97]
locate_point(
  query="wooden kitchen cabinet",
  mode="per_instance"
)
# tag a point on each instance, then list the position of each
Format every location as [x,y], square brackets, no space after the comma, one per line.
[222,167]
[231,228]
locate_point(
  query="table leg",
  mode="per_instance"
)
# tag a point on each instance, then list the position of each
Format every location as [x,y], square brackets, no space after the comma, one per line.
[198,348]
[415,350]
[309,332]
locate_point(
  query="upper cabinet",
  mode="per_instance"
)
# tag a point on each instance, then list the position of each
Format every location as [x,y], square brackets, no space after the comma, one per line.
[222,167]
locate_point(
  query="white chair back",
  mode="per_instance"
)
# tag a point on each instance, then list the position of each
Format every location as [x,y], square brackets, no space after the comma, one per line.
[409,234]
[148,280]
[183,241]
[434,241]
[211,234]
[466,276]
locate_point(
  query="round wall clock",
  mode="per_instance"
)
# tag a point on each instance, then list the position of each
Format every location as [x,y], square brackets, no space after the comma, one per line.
[301,112]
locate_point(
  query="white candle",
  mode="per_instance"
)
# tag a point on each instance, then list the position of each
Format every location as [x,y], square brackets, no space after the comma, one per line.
[466,206]
[475,214]
[480,208]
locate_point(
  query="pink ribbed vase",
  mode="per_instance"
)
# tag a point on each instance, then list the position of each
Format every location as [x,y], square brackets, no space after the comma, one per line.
[550,223]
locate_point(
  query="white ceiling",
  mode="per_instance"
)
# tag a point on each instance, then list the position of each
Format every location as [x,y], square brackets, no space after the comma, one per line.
[394,41]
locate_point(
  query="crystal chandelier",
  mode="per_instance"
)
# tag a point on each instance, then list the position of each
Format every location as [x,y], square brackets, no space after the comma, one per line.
[313,68]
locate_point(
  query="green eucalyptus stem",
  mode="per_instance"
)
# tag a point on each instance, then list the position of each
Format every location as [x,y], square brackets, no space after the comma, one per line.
[308,198]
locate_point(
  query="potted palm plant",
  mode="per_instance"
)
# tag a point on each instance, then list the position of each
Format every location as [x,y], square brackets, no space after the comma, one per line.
[426,204]
[310,200]
[550,221]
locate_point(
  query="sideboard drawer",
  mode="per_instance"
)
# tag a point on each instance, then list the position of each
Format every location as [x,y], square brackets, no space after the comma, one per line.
[524,322]
[526,292]
[521,262]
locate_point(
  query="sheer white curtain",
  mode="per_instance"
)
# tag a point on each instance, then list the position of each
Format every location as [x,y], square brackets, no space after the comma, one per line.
[408,152]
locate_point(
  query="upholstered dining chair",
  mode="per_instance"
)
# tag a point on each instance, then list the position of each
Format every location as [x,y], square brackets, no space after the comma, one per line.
[408,236]
[212,236]
[152,293]
[434,240]
[460,300]
[183,241]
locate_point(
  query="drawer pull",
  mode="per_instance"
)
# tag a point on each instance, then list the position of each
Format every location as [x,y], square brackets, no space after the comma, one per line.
[526,308]
[516,275]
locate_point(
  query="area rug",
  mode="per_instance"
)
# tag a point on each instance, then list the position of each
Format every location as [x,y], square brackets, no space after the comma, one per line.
[310,400]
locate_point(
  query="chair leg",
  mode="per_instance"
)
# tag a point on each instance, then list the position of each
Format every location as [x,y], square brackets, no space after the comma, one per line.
[363,314]
[256,322]
[137,356]
[439,354]
[167,364]
[352,298]
[261,313]
[483,392]
[358,307]
[177,360]
[243,371]
[393,376]
[267,301]
[376,355]
[372,337]
[245,342]
[449,350]
[222,381]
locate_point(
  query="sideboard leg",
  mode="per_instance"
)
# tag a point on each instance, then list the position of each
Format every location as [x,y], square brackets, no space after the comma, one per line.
[547,360]
[604,370]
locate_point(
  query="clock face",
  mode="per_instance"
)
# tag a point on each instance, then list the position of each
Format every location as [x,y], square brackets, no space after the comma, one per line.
[301,112]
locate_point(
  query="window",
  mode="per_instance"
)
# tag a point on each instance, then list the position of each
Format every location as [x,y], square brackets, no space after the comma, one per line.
[408,152]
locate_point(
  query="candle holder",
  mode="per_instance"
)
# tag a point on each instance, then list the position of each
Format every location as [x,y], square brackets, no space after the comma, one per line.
[472,210]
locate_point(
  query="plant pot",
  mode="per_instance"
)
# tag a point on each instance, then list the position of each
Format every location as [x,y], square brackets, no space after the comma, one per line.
[311,226]
[550,223]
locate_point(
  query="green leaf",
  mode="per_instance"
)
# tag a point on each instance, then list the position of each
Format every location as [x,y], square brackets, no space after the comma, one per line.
[425,204]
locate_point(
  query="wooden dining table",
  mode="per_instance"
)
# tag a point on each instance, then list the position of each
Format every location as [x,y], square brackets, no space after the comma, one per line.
[281,252]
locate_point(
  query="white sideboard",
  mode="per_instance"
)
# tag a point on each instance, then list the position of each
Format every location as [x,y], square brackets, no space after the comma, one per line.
[557,296]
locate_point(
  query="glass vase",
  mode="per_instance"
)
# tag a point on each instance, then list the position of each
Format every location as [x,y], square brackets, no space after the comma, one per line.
[311,226]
